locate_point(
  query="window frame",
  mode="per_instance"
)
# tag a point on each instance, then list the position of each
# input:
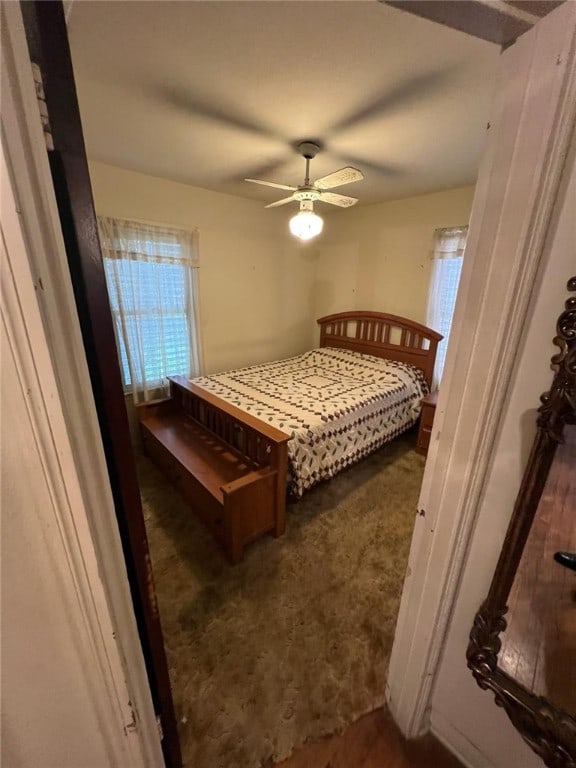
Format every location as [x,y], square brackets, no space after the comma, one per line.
[120,248]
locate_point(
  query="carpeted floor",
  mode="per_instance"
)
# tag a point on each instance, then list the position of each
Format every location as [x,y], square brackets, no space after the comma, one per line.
[294,642]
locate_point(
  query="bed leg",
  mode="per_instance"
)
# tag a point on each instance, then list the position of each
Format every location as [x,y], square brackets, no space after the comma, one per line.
[234,548]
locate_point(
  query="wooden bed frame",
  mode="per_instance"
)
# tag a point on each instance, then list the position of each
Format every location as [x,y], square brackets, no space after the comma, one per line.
[382,335]
[231,466]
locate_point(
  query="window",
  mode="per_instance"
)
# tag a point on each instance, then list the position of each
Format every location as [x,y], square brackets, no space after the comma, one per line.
[447,258]
[151,277]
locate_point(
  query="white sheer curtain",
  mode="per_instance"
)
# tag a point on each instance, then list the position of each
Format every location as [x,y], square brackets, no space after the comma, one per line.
[151,275]
[447,258]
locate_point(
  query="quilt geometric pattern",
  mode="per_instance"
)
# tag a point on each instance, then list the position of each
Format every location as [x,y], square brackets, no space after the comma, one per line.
[338,406]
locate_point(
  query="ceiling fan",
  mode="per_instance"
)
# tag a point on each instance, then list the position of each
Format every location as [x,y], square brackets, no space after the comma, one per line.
[306,224]
[316,190]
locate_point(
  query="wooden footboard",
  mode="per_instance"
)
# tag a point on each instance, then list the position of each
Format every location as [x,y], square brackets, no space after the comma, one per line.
[230,466]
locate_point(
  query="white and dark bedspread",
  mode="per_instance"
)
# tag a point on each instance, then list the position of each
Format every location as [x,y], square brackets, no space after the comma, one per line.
[337,404]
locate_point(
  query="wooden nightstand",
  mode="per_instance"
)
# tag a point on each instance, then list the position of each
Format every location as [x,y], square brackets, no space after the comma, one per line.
[426,421]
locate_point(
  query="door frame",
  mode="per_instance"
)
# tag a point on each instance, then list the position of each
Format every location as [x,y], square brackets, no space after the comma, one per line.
[48,46]
[129,587]
[529,134]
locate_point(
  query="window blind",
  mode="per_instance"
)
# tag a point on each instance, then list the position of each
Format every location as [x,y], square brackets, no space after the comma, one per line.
[151,276]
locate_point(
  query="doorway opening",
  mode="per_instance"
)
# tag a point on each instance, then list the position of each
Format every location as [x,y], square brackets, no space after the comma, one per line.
[323,597]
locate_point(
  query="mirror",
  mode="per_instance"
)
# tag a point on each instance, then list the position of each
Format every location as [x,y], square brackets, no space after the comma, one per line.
[523,641]
[539,644]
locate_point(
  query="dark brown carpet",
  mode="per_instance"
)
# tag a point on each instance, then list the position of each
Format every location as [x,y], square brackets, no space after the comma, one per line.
[294,642]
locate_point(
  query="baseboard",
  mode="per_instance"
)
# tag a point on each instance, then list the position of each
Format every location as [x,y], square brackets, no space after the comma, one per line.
[468,754]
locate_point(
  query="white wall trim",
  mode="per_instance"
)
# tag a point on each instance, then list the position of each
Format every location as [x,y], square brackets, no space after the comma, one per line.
[57,380]
[517,187]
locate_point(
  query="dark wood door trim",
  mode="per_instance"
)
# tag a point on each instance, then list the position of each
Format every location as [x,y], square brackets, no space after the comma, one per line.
[47,38]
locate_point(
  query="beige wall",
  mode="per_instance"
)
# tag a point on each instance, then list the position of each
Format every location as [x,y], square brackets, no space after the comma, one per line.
[377,257]
[260,290]
[255,280]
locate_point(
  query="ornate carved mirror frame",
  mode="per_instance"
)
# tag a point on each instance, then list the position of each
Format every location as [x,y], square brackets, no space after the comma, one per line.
[549,731]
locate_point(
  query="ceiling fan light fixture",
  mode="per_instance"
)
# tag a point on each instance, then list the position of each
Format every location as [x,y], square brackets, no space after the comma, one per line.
[306,225]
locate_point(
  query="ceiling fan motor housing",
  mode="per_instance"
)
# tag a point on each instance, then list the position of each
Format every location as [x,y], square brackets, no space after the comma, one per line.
[307,193]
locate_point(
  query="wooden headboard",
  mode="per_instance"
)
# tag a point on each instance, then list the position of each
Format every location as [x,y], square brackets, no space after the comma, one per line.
[382,335]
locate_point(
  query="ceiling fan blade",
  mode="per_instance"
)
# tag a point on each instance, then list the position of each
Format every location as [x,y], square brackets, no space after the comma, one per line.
[343,176]
[388,169]
[280,202]
[341,200]
[402,94]
[271,184]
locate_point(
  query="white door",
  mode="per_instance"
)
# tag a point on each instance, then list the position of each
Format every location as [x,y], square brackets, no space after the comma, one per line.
[509,264]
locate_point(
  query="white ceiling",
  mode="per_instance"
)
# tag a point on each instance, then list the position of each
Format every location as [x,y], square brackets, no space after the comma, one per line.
[208,93]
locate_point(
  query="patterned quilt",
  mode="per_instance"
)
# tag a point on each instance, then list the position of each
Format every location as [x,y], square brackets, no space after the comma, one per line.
[338,405]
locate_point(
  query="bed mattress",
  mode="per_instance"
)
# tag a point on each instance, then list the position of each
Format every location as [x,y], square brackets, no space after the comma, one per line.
[337,405]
